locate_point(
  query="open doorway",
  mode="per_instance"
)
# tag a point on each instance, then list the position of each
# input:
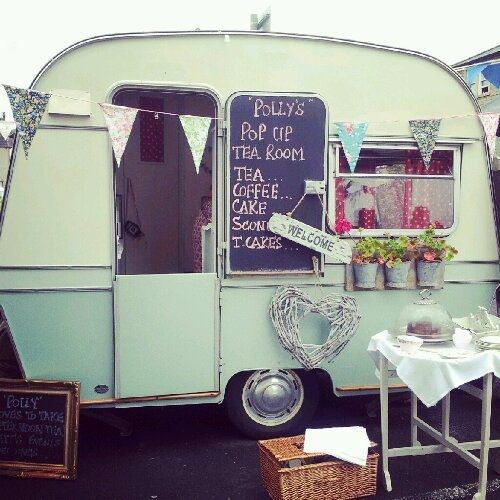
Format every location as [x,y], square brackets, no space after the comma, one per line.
[164,209]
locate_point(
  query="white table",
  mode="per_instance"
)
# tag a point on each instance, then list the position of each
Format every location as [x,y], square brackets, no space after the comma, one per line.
[430,377]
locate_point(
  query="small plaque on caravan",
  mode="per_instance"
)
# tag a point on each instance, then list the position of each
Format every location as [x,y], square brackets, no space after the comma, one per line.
[69,102]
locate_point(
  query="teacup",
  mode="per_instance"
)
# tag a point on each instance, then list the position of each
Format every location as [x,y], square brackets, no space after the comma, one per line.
[409,344]
[461,338]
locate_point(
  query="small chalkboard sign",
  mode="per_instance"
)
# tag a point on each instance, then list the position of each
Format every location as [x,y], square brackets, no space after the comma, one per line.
[39,428]
[276,143]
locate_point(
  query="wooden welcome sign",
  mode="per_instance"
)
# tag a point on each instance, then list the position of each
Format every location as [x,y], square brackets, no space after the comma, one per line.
[311,237]
[39,428]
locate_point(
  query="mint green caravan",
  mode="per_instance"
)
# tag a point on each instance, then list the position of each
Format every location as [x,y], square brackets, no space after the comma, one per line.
[122,278]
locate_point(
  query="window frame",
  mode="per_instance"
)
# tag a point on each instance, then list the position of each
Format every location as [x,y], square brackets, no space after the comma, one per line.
[380,143]
[484,89]
[217,217]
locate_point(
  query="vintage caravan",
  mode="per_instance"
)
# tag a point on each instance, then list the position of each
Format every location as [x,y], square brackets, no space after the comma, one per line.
[150,283]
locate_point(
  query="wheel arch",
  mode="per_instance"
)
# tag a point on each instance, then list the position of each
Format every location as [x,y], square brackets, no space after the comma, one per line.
[318,372]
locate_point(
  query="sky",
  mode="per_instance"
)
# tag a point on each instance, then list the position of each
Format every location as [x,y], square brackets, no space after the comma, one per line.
[445,29]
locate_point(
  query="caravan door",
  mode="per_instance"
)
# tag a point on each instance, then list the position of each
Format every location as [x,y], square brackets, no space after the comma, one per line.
[165,334]
[166,287]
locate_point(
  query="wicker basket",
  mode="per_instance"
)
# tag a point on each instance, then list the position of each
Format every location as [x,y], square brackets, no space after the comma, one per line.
[290,474]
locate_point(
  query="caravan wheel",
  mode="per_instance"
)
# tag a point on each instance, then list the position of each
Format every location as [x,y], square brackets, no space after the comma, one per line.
[271,403]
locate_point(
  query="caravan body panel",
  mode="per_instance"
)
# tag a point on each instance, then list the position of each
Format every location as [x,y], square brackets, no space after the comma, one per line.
[57,239]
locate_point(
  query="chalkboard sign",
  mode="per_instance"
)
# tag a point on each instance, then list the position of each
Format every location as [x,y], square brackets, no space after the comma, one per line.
[38,428]
[276,143]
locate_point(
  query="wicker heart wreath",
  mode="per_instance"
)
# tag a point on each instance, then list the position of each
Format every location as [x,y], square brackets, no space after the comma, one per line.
[289,305]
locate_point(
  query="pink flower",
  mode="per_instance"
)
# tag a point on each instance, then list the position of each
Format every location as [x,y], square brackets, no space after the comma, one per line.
[342,226]
[438,225]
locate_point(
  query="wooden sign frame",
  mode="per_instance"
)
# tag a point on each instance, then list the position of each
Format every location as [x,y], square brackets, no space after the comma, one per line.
[67,469]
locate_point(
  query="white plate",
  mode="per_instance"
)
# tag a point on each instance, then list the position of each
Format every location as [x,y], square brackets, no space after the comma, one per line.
[456,354]
[435,341]
[490,339]
[450,353]
[488,344]
[487,348]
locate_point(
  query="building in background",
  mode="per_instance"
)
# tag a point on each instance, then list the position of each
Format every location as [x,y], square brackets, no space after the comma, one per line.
[482,75]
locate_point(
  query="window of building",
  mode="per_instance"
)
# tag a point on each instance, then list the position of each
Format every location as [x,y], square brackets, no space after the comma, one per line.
[484,88]
[392,191]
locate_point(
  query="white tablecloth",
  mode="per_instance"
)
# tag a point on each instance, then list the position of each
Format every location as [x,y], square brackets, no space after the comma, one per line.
[429,375]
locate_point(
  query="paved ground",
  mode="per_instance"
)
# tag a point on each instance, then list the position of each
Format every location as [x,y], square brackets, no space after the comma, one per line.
[191,453]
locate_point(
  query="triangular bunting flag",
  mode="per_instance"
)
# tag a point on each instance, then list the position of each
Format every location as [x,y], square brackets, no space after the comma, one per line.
[351,135]
[120,121]
[6,128]
[196,130]
[28,107]
[425,133]
[492,74]
[490,125]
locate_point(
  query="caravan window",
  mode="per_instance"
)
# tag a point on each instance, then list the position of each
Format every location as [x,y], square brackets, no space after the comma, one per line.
[391,189]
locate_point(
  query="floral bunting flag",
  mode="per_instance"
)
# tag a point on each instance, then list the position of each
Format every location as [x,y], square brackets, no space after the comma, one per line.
[120,121]
[425,133]
[196,130]
[6,128]
[490,125]
[351,135]
[28,107]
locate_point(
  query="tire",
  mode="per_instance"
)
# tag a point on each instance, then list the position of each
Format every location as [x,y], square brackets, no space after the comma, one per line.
[271,403]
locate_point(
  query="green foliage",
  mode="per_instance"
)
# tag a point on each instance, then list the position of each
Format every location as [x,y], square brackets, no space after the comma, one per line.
[366,250]
[394,251]
[432,248]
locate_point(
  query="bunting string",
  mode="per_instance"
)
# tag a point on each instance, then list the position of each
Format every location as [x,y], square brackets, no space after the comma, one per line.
[400,120]
[28,107]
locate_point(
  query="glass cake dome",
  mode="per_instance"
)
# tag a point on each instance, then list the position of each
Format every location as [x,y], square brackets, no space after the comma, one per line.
[426,319]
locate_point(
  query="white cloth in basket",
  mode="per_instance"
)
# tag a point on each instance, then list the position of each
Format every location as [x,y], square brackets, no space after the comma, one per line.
[346,443]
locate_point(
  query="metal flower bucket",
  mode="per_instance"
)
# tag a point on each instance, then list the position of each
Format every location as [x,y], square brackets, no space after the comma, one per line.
[397,276]
[428,272]
[365,275]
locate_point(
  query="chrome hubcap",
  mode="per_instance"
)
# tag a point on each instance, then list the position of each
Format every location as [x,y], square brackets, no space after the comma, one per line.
[272,397]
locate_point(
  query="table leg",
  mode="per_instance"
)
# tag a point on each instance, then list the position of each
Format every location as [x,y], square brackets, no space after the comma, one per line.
[384,419]
[414,414]
[445,417]
[485,436]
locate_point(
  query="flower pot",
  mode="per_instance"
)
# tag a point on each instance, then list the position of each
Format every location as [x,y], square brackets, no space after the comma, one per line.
[365,274]
[397,276]
[429,272]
